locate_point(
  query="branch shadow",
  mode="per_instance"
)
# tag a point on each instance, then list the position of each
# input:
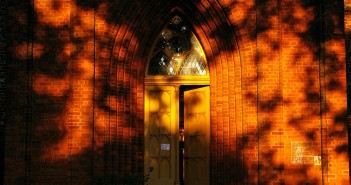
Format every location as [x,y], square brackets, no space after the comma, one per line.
[50,64]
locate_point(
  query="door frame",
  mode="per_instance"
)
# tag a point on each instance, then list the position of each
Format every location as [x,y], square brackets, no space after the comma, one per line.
[175,82]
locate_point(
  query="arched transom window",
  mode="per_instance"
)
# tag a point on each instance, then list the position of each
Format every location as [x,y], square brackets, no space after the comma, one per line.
[177,52]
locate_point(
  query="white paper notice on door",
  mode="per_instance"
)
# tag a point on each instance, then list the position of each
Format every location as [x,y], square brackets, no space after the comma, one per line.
[165,146]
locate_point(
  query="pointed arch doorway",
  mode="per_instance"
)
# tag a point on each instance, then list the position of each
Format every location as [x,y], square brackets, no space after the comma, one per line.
[177,109]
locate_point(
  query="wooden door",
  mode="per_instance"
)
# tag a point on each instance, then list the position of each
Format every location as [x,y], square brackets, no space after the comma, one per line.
[197,136]
[160,138]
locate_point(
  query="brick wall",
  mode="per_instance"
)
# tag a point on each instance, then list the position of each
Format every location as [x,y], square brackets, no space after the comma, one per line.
[16,148]
[75,84]
[3,59]
[347,23]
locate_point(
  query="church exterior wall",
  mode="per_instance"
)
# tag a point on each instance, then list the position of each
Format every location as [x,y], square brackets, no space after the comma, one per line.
[75,88]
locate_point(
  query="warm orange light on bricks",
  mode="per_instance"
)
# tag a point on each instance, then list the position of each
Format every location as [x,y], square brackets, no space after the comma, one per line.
[52,12]
[277,91]
[54,87]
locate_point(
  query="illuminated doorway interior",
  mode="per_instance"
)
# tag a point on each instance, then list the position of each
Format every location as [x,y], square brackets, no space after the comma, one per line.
[177,109]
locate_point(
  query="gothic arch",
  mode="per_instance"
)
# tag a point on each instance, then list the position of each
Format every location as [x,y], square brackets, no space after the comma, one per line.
[123,51]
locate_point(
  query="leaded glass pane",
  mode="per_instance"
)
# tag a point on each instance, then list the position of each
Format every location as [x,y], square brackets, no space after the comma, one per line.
[177,25]
[177,52]
[193,65]
[161,64]
[160,45]
[178,45]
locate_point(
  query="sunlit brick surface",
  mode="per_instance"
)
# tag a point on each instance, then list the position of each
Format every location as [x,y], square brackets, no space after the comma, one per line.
[75,88]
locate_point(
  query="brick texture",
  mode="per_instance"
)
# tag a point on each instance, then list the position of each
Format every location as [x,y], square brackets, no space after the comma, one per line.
[3,59]
[75,88]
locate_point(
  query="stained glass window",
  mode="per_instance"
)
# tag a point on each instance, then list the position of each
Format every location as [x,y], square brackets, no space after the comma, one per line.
[177,52]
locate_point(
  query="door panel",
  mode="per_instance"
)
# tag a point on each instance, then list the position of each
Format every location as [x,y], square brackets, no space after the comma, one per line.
[160,146]
[197,136]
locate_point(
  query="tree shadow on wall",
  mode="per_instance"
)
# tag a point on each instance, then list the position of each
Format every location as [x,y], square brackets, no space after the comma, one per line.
[74,108]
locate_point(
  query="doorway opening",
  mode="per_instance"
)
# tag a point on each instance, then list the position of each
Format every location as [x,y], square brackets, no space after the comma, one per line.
[177,134]
[176,108]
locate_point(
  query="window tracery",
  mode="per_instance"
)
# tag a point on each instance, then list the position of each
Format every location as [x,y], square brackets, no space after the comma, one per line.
[177,52]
